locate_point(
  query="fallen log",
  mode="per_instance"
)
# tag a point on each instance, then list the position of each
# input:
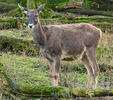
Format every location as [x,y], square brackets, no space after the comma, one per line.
[93,93]
[18,46]
[6,7]
[86,12]
[102,23]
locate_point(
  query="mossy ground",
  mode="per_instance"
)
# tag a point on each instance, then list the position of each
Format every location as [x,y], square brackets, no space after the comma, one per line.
[14,41]
[34,72]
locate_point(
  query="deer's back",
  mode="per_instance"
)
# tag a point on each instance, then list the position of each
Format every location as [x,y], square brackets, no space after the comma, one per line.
[73,34]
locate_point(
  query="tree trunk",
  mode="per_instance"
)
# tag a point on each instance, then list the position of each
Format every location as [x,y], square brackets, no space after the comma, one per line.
[31,4]
[86,12]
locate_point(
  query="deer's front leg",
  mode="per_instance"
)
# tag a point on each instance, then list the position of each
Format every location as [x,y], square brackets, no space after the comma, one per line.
[54,70]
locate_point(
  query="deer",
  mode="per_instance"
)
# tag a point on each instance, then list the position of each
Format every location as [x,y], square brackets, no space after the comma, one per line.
[65,42]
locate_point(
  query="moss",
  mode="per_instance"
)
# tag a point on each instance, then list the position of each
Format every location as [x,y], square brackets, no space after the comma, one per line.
[6,7]
[72,19]
[18,46]
[46,13]
[44,91]
[9,83]
[105,26]
[15,12]
[79,92]
[7,23]
[111,92]
[87,12]
[100,92]
[92,93]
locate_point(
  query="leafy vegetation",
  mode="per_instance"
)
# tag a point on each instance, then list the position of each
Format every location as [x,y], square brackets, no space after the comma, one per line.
[11,22]
[18,46]
[6,7]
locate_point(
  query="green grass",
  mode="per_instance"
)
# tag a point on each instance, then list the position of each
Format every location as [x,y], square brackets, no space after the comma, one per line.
[17,33]
[26,70]
[34,71]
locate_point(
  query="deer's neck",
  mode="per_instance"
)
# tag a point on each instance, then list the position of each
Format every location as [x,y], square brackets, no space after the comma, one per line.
[40,37]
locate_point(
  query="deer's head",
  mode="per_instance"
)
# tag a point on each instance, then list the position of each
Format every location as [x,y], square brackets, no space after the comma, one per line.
[32,15]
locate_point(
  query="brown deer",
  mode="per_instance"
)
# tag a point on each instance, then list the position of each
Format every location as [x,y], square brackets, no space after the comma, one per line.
[66,42]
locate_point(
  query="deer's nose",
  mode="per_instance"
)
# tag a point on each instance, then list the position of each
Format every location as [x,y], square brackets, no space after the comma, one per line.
[30,25]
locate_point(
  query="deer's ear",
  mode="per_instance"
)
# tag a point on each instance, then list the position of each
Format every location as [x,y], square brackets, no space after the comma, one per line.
[40,8]
[23,9]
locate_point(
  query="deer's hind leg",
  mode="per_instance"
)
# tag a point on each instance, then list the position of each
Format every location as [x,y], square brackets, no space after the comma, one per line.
[89,69]
[91,54]
[54,67]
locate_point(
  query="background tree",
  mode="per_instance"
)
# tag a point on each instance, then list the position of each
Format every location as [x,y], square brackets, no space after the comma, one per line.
[31,4]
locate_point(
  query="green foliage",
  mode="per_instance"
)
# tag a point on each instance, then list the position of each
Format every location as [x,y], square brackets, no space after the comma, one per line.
[106,5]
[18,46]
[46,13]
[92,93]
[87,4]
[15,13]
[71,19]
[105,26]
[1,68]
[31,4]
[6,7]
[23,3]
[79,0]
[44,91]
[12,1]
[49,2]
[104,50]
[56,1]
[7,23]
[58,6]
[53,4]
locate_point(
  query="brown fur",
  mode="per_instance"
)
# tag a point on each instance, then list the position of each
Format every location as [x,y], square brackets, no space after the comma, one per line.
[71,38]
[67,42]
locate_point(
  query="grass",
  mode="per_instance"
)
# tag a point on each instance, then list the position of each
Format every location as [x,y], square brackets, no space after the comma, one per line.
[17,33]
[34,71]
[25,68]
